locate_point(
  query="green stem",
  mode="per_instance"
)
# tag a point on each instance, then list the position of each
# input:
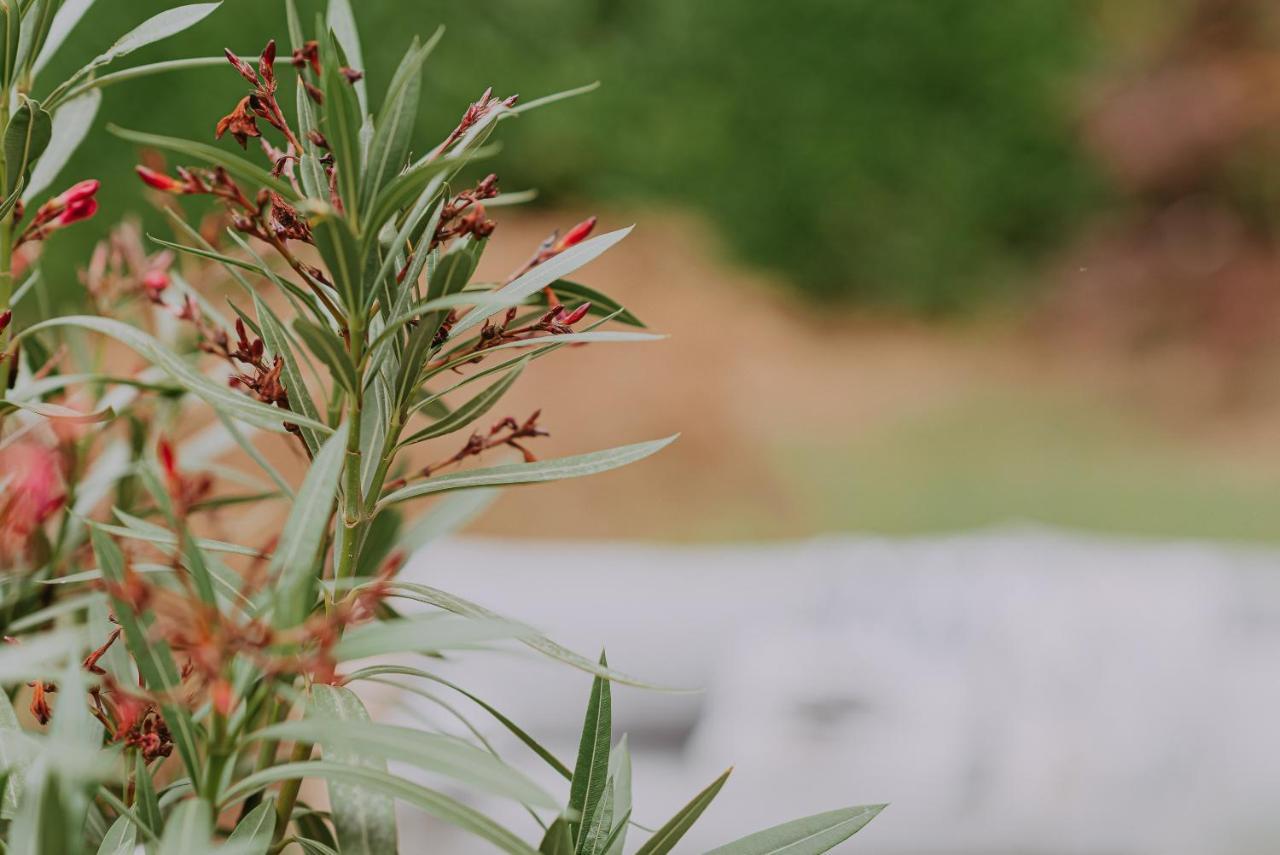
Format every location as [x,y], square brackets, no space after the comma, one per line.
[289,794]
[384,463]
[276,711]
[6,236]
[218,755]
[353,516]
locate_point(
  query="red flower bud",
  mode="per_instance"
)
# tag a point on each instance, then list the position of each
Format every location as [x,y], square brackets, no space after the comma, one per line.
[168,461]
[5,317]
[77,210]
[576,235]
[39,705]
[576,315]
[246,70]
[158,180]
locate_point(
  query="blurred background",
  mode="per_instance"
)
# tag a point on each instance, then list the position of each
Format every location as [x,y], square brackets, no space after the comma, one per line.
[928,265]
[985,292]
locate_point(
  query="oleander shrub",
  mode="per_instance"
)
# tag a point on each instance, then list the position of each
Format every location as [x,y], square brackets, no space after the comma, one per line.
[167,691]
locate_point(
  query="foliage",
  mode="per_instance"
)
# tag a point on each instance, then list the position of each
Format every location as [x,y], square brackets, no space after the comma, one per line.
[916,154]
[215,669]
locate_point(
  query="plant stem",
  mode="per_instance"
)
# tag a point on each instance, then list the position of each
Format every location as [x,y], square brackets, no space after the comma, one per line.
[384,463]
[218,755]
[289,794]
[6,238]
[353,516]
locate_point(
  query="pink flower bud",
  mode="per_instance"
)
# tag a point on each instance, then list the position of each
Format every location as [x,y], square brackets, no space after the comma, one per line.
[78,209]
[223,696]
[77,193]
[158,180]
[34,491]
[5,317]
[155,283]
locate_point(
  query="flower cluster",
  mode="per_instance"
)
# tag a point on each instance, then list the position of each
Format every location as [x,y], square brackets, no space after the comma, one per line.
[73,205]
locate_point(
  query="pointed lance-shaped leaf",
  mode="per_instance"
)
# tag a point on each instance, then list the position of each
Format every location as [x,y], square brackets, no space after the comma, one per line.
[812,835]
[592,767]
[296,564]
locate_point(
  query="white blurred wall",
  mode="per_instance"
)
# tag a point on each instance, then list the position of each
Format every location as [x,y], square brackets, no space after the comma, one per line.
[1009,691]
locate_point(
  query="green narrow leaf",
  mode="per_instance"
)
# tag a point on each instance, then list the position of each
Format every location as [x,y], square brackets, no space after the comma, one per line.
[296,35]
[188,830]
[348,734]
[198,569]
[69,14]
[156,28]
[597,835]
[37,18]
[451,513]
[256,456]
[295,565]
[421,635]
[365,821]
[434,803]
[223,258]
[253,833]
[216,395]
[28,133]
[314,182]
[620,777]
[665,838]
[546,273]
[393,128]
[314,825]
[45,822]
[57,412]
[315,847]
[812,835]
[553,98]
[121,838]
[460,356]
[341,127]
[12,39]
[592,768]
[341,253]
[531,473]
[137,72]
[468,412]
[71,125]
[449,278]
[325,346]
[373,672]
[146,804]
[449,602]
[342,22]
[10,760]
[558,840]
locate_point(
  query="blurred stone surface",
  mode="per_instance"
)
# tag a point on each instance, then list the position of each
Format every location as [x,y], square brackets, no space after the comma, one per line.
[1010,691]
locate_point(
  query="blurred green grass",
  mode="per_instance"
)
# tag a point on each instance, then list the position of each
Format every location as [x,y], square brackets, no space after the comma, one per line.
[914,153]
[1034,456]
